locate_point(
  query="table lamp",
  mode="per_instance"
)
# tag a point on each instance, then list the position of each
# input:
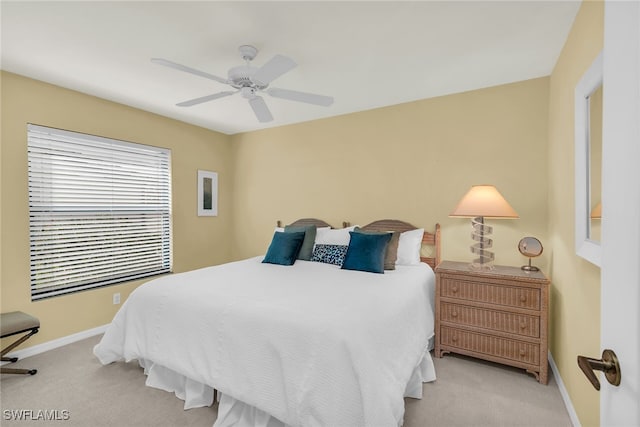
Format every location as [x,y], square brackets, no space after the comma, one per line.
[480,202]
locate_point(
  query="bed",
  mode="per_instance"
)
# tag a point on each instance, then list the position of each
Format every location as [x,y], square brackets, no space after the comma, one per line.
[307,345]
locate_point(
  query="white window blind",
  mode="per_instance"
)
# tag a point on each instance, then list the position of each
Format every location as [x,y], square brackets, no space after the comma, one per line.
[99,211]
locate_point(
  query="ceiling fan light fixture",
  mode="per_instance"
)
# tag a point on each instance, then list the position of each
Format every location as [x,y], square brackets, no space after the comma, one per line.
[248,92]
[248,80]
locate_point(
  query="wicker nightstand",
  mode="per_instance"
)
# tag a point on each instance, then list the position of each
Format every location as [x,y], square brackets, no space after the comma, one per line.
[499,315]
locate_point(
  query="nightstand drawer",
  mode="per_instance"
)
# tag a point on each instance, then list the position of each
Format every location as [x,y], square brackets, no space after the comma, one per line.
[492,293]
[514,323]
[489,345]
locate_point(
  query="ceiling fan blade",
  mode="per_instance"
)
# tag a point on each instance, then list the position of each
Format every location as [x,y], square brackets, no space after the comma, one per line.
[277,66]
[260,109]
[190,70]
[207,98]
[293,95]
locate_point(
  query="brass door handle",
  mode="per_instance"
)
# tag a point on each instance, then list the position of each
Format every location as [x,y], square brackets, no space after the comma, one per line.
[608,364]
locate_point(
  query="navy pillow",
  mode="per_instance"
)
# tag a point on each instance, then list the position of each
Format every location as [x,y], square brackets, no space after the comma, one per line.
[306,250]
[284,248]
[366,252]
[391,254]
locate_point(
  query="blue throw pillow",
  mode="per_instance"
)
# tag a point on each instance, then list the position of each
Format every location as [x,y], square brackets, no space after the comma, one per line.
[284,248]
[366,252]
[391,254]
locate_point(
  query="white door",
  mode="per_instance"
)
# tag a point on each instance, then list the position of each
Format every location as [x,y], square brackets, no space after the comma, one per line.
[620,328]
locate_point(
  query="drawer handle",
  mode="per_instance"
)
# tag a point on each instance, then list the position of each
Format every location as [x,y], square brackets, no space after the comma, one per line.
[454,289]
[454,314]
[523,325]
[523,298]
[454,338]
[522,352]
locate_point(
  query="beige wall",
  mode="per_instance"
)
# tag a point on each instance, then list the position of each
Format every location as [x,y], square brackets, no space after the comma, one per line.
[412,161]
[575,298]
[198,241]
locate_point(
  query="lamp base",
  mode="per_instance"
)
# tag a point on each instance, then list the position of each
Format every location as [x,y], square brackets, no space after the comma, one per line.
[480,233]
[476,266]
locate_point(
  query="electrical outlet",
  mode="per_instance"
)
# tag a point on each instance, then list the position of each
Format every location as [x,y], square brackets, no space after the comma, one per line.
[116,298]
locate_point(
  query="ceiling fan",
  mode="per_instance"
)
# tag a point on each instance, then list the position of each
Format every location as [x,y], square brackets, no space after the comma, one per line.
[249,80]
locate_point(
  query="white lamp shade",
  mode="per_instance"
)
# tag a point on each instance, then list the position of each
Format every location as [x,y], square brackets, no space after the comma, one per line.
[485,201]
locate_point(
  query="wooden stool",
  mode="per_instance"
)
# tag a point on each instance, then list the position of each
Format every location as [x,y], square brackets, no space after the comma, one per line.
[14,323]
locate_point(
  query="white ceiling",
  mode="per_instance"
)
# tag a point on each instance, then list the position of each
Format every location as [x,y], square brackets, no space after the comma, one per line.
[364,54]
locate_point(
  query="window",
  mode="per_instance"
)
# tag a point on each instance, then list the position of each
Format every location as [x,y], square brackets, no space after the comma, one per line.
[99,211]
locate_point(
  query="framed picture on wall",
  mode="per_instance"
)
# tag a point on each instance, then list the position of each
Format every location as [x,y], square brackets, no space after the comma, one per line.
[207,193]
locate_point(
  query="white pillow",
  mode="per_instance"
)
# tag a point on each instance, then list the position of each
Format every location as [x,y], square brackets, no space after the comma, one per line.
[328,236]
[409,246]
[279,229]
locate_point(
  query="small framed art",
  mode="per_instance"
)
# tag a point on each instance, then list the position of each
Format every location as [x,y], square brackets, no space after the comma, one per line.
[207,193]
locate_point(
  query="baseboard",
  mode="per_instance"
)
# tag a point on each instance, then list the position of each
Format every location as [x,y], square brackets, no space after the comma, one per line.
[563,392]
[50,345]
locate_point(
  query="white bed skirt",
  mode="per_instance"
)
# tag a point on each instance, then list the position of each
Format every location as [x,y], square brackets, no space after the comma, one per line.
[232,412]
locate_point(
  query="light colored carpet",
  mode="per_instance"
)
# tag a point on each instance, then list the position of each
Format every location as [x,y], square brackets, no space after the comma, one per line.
[468,392]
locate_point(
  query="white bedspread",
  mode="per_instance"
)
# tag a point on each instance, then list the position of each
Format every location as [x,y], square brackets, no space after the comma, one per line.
[310,344]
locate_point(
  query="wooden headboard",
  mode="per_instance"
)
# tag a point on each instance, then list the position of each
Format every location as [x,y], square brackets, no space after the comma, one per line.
[429,239]
[311,221]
